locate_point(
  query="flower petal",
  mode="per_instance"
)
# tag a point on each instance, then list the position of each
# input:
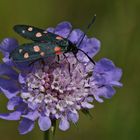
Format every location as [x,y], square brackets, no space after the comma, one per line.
[13,102]
[105,91]
[22,78]
[64,124]
[8,44]
[116,83]
[75,36]
[104,65]
[89,67]
[7,60]
[32,115]
[9,87]
[22,107]
[74,117]
[50,29]
[105,73]
[8,71]
[87,105]
[82,57]
[112,77]
[25,126]
[63,29]
[11,116]
[44,123]
[90,46]
[115,75]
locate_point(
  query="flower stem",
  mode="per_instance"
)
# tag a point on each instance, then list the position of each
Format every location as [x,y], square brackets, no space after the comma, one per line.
[47,135]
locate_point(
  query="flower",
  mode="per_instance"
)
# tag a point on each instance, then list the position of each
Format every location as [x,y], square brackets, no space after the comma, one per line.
[56,91]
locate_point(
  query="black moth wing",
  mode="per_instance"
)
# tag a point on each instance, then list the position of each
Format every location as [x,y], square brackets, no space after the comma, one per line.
[33,51]
[35,34]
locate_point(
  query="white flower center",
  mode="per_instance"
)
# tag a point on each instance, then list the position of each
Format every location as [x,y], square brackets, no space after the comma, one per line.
[58,91]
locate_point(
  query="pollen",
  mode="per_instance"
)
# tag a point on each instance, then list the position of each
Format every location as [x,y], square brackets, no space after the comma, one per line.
[26,55]
[30,29]
[59,38]
[42,54]
[36,48]
[38,34]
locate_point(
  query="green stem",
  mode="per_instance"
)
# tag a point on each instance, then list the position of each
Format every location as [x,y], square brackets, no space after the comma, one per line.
[47,135]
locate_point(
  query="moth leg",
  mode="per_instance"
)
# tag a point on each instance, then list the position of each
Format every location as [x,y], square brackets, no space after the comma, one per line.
[32,64]
[42,61]
[58,59]
[34,61]
[68,63]
[76,58]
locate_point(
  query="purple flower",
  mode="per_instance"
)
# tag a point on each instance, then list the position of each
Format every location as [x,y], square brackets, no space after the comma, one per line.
[46,93]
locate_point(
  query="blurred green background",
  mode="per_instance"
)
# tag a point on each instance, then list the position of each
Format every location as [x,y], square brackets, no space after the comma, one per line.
[117,27]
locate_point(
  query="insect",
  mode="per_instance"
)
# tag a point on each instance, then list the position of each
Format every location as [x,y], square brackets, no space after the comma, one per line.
[45,44]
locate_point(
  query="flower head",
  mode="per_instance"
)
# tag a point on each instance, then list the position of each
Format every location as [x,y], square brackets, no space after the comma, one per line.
[46,93]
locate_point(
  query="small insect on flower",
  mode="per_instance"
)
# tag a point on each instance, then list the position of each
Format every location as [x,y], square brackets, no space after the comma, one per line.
[45,44]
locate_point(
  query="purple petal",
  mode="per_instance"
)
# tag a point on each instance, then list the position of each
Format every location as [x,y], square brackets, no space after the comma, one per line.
[99,79]
[89,99]
[33,105]
[9,87]
[50,29]
[105,73]
[87,105]
[8,71]
[13,102]
[7,60]
[74,117]
[44,123]
[22,78]
[115,75]
[82,57]
[89,66]
[32,115]
[90,46]
[11,116]
[8,44]
[105,91]
[64,124]
[25,126]
[104,65]
[75,36]
[22,107]
[63,29]
[116,83]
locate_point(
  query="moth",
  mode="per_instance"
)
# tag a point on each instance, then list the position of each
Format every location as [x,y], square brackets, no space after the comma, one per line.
[44,44]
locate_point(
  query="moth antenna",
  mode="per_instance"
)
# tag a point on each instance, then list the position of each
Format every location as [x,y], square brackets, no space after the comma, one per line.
[88,27]
[87,56]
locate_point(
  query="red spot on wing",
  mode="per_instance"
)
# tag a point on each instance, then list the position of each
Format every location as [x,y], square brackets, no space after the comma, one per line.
[58,53]
[58,50]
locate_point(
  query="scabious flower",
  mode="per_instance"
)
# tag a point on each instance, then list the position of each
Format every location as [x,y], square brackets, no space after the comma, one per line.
[57,91]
